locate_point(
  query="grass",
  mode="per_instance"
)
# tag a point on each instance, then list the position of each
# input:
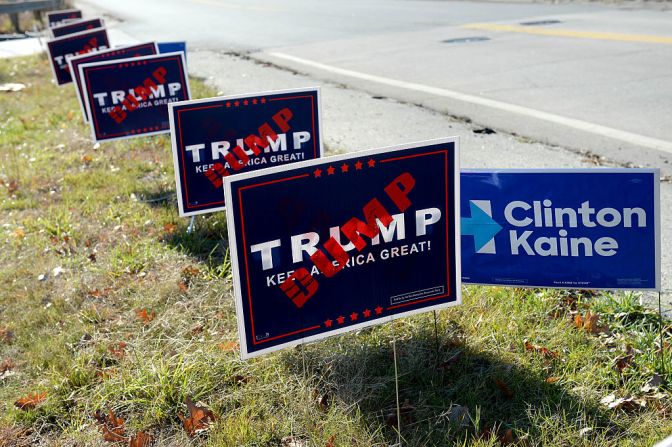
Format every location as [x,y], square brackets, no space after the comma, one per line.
[90,236]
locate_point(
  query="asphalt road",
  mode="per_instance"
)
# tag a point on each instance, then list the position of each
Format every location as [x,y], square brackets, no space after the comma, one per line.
[589,77]
[597,79]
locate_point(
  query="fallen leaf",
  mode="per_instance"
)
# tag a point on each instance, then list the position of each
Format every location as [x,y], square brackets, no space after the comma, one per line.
[626,404]
[330,441]
[504,388]
[589,323]
[6,335]
[140,439]
[652,385]
[70,115]
[658,396]
[291,441]
[145,316]
[87,159]
[12,187]
[506,437]
[459,415]
[6,365]
[199,418]
[118,350]
[106,373]
[622,362]
[183,286]
[322,399]
[545,352]
[229,346]
[30,401]
[190,271]
[111,427]
[19,233]
[625,360]
[552,380]
[169,228]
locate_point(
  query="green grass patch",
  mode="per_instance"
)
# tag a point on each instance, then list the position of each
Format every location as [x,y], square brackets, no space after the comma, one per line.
[91,238]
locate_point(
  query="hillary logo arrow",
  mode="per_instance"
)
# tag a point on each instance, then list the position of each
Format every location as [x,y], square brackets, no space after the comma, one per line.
[481,226]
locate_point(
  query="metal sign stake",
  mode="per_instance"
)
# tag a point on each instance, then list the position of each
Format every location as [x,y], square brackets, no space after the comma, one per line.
[660,328]
[192,223]
[396,386]
[436,337]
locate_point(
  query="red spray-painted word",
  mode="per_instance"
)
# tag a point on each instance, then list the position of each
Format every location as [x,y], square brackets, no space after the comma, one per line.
[144,91]
[301,286]
[239,157]
[90,46]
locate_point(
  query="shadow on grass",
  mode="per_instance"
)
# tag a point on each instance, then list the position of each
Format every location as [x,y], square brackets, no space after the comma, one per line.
[207,242]
[436,387]
[158,199]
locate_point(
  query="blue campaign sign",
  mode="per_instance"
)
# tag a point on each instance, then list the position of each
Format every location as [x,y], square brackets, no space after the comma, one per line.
[55,18]
[580,228]
[127,98]
[326,246]
[142,49]
[284,125]
[77,26]
[173,47]
[60,48]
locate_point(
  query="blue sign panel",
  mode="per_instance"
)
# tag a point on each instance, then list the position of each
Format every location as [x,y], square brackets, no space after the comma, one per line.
[60,48]
[173,47]
[127,98]
[333,245]
[143,49]
[580,229]
[77,27]
[284,126]
[55,18]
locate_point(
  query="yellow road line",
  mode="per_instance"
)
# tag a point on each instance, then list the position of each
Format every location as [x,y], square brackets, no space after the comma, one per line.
[570,33]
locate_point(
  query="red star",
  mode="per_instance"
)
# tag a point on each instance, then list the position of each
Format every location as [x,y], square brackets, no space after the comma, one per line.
[367,313]
[246,102]
[358,165]
[317,172]
[341,319]
[254,101]
[236,103]
[371,162]
[379,310]
[344,167]
[330,170]
[228,104]
[263,100]
[328,323]
[353,316]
